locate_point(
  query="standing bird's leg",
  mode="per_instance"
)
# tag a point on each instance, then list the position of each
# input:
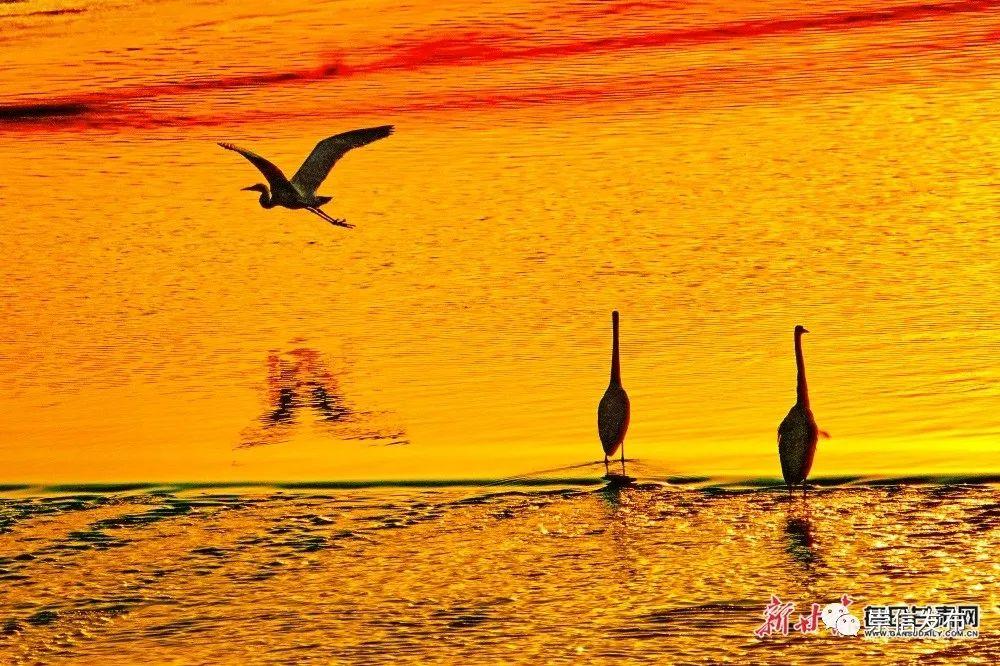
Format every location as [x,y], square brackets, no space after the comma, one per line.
[339,223]
[623,458]
[607,470]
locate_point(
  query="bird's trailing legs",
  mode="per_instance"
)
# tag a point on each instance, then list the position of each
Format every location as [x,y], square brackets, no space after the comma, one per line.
[331,220]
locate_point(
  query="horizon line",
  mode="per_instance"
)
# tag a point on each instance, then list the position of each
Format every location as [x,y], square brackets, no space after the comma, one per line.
[690,481]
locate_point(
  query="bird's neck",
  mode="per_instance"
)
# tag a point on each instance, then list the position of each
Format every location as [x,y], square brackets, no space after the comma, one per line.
[265,199]
[801,388]
[616,370]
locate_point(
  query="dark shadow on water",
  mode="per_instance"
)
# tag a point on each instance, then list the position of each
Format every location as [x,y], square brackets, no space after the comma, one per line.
[723,485]
[688,619]
[298,384]
[704,486]
[612,495]
[25,112]
[934,480]
[801,541]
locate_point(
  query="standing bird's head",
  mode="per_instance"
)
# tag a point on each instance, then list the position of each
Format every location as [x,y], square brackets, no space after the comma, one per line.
[265,195]
[800,329]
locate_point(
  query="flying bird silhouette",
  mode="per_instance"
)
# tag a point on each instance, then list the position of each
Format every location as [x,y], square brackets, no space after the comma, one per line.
[798,432]
[300,191]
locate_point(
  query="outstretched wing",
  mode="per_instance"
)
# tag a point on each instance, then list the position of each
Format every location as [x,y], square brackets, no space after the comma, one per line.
[317,166]
[275,178]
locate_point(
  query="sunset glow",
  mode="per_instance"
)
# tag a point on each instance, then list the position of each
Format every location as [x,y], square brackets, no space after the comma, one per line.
[717,172]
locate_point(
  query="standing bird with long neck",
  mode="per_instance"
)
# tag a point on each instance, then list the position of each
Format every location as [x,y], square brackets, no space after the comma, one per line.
[614,410]
[300,191]
[798,433]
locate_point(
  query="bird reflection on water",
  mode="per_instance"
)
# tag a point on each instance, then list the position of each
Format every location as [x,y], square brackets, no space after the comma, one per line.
[629,509]
[299,381]
[801,540]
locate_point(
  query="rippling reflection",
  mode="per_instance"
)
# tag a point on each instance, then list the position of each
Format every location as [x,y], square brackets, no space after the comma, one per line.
[482,574]
[299,381]
[800,539]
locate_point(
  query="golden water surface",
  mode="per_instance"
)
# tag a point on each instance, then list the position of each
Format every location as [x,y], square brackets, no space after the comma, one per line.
[675,574]
[718,172]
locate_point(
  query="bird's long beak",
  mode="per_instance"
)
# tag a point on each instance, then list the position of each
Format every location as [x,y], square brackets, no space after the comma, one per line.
[252,187]
[805,330]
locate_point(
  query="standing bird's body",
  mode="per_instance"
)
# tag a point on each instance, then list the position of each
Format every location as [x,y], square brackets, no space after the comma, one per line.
[798,433]
[300,191]
[614,410]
